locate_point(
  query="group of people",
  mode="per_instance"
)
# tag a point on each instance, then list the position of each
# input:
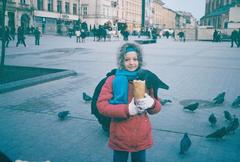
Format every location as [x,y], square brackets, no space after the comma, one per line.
[10,35]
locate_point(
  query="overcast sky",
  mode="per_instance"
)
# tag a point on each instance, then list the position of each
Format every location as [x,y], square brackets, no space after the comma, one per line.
[196,7]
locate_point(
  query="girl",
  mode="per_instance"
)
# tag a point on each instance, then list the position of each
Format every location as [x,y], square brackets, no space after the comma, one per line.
[130,129]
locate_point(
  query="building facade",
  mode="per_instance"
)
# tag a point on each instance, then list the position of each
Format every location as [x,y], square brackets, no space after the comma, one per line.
[56,15]
[18,12]
[185,20]
[221,14]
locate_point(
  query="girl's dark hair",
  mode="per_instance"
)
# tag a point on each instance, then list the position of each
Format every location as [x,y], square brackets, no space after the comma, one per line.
[124,49]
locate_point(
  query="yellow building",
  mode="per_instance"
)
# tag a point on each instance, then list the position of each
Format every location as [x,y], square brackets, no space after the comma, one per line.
[130,13]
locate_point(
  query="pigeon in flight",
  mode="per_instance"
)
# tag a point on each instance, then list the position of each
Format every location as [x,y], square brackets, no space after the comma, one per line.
[218,133]
[212,119]
[185,144]
[236,102]
[164,101]
[86,97]
[63,115]
[233,125]
[219,99]
[227,116]
[191,107]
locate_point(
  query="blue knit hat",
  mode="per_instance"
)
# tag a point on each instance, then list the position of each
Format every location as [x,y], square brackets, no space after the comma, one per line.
[130,49]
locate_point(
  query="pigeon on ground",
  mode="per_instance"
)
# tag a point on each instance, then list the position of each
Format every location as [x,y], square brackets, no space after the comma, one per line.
[185,144]
[219,99]
[192,107]
[233,125]
[63,115]
[164,101]
[86,97]
[212,119]
[236,102]
[227,116]
[218,133]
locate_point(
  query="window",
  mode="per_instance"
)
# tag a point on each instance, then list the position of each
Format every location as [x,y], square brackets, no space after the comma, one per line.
[74,9]
[59,6]
[50,5]
[85,10]
[23,1]
[40,4]
[67,7]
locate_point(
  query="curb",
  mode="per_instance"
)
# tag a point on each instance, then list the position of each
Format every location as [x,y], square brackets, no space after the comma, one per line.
[36,80]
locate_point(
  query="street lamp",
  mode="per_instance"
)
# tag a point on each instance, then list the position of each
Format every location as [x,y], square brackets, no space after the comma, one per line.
[3,32]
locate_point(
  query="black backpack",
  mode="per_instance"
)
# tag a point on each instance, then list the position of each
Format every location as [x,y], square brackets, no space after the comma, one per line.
[103,120]
[152,81]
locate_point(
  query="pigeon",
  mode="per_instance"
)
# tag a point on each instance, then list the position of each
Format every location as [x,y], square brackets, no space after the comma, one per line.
[233,125]
[192,107]
[219,99]
[86,97]
[185,144]
[4,157]
[218,133]
[212,119]
[227,116]
[63,115]
[236,102]
[164,101]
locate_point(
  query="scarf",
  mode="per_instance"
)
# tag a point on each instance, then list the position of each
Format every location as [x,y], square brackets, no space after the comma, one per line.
[120,86]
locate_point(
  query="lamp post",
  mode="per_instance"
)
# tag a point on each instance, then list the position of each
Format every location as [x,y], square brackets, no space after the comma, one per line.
[143,14]
[3,32]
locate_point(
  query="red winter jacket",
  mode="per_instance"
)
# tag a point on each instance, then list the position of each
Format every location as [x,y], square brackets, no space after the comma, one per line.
[127,133]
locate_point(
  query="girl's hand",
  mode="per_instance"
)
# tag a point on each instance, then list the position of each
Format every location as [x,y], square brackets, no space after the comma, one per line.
[144,103]
[132,108]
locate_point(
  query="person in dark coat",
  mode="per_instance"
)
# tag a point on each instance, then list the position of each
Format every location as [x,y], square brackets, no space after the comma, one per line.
[234,38]
[37,35]
[7,36]
[215,33]
[20,36]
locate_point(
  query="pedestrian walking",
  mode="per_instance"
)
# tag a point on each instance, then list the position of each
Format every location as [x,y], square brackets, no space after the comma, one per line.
[12,32]
[182,36]
[125,35]
[83,35]
[7,36]
[20,36]
[215,33]
[234,38]
[130,128]
[78,35]
[239,37]
[37,35]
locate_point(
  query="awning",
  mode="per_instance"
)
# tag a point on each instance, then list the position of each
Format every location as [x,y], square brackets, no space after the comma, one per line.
[220,11]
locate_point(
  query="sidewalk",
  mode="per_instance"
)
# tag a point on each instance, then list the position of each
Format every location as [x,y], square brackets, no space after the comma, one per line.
[30,129]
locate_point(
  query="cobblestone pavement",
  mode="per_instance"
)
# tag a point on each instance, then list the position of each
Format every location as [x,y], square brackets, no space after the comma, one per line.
[195,71]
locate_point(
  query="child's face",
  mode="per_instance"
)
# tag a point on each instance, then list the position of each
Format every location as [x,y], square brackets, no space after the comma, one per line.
[131,61]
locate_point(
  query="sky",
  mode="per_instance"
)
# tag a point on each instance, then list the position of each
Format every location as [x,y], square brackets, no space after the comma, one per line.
[196,7]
